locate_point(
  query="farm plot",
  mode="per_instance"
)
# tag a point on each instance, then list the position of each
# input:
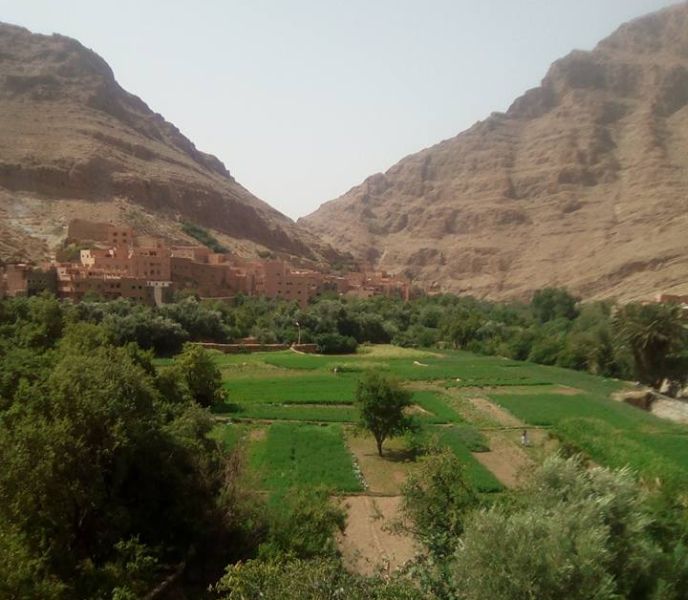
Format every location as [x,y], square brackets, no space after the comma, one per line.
[460,441]
[436,406]
[549,409]
[291,412]
[304,455]
[654,455]
[307,389]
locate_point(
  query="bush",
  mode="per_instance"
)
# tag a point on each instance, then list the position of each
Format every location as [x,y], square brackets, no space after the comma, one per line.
[202,376]
[334,343]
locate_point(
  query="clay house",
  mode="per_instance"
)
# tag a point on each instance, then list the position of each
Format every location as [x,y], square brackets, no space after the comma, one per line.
[27,280]
[275,279]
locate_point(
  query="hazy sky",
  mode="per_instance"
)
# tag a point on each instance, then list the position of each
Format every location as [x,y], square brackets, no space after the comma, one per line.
[303,99]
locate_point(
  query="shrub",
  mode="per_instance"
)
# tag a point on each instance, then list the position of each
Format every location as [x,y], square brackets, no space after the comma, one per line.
[334,343]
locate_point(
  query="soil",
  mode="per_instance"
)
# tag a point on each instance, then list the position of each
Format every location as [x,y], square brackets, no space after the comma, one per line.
[367,545]
[386,474]
[507,460]
[496,413]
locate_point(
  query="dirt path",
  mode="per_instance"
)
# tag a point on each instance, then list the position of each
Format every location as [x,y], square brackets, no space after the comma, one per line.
[367,545]
[382,475]
[496,413]
[506,459]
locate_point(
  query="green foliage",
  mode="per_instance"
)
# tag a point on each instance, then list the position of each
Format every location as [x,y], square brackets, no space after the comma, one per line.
[303,523]
[201,375]
[437,498]
[304,455]
[92,459]
[657,337]
[381,402]
[204,236]
[334,343]
[319,579]
[553,303]
[577,533]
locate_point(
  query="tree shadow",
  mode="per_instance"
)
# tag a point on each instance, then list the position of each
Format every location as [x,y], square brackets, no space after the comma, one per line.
[397,455]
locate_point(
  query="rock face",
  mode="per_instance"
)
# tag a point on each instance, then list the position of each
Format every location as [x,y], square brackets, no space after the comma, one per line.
[74,143]
[582,183]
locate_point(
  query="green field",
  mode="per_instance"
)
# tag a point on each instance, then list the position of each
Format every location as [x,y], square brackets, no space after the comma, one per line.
[460,443]
[437,406]
[285,391]
[309,455]
[308,389]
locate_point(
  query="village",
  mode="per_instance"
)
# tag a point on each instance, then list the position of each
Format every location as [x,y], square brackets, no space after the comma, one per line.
[116,262]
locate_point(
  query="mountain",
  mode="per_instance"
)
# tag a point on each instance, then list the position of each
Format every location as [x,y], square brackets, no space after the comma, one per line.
[74,143]
[582,183]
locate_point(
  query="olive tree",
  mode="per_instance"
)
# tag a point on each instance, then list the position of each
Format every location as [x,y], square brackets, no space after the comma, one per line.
[381,401]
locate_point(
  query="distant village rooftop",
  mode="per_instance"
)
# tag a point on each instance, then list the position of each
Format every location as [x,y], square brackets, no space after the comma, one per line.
[115,262]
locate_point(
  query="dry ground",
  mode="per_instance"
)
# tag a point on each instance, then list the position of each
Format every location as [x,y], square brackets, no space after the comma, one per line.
[368,546]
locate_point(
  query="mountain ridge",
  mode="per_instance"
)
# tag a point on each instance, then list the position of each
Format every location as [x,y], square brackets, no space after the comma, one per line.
[571,164]
[74,140]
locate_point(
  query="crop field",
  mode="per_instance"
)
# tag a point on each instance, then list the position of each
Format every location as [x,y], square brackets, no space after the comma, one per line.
[654,455]
[436,406]
[295,407]
[309,389]
[549,409]
[291,412]
[310,455]
[460,443]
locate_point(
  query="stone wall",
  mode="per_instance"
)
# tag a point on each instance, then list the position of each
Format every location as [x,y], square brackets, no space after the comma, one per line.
[250,348]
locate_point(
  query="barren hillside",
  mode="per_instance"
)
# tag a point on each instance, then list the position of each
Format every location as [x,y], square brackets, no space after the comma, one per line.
[74,143]
[583,182]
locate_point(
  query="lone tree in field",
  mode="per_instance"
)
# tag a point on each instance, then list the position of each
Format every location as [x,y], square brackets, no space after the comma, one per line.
[382,401]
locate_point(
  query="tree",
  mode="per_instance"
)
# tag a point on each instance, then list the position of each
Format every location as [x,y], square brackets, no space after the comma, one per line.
[303,525]
[381,401]
[94,459]
[553,303]
[316,579]
[575,533]
[201,375]
[437,498]
[657,337]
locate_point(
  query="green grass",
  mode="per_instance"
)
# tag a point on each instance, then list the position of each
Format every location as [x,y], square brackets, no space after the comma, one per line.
[292,412]
[549,409]
[228,434]
[291,387]
[307,389]
[477,474]
[437,404]
[654,456]
[304,455]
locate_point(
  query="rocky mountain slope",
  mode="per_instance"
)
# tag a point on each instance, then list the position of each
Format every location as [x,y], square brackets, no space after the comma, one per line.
[74,143]
[583,182]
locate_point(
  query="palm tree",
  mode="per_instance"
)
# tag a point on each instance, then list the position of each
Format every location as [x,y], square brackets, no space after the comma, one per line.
[657,337]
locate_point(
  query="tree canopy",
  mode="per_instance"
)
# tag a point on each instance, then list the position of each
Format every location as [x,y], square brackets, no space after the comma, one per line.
[381,401]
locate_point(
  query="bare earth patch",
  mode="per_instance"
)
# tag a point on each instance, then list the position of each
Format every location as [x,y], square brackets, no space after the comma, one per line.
[566,390]
[367,545]
[386,474]
[257,434]
[506,459]
[496,413]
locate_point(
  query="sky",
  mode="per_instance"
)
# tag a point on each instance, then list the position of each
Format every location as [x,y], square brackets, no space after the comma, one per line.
[304,99]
